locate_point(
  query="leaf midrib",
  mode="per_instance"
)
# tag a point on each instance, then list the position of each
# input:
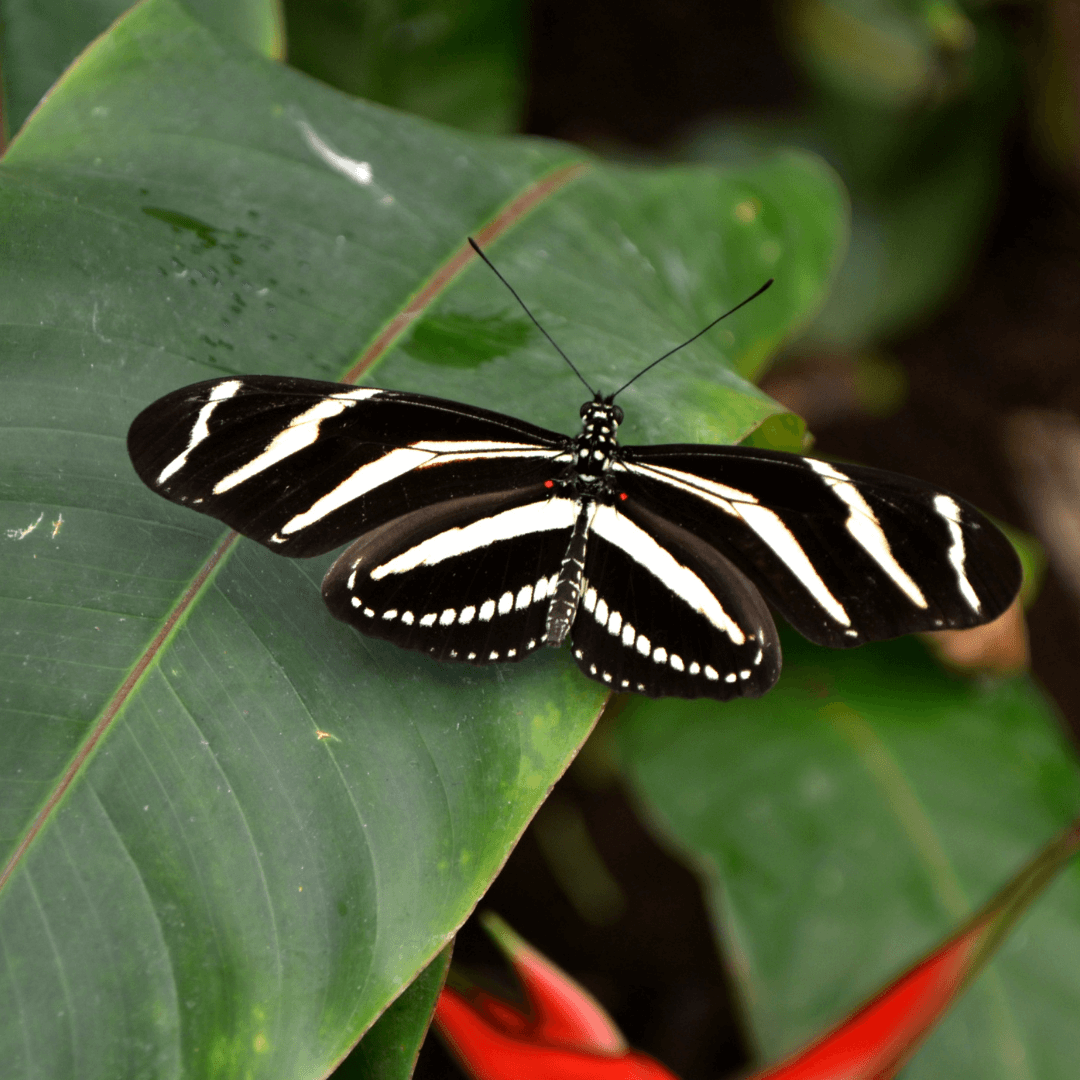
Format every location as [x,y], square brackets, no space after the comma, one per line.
[513,211]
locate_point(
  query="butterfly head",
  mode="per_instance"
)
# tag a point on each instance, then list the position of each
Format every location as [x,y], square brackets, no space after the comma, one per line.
[595,445]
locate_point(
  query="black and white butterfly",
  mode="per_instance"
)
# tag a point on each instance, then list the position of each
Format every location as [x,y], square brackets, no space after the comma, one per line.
[477,537]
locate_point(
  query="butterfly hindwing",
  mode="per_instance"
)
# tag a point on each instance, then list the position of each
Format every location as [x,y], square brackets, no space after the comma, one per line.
[305,466]
[665,614]
[467,580]
[847,554]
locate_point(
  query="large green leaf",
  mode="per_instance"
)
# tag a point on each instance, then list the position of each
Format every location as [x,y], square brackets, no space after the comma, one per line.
[233,829]
[856,815]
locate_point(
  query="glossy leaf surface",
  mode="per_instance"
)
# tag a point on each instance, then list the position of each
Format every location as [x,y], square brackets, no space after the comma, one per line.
[233,830]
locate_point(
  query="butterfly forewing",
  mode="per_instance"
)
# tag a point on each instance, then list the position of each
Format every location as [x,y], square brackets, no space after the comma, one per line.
[665,614]
[847,554]
[468,580]
[304,466]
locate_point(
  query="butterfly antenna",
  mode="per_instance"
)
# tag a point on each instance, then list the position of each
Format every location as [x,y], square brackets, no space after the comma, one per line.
[753,296]
[513,292]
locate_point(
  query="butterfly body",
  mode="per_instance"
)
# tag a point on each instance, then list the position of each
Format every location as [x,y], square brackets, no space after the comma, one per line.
[477,537]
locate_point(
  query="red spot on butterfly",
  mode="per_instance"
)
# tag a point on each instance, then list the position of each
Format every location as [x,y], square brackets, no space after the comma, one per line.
[549,483]
[623,496]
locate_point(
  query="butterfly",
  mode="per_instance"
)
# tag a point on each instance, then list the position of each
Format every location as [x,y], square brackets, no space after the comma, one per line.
[477,537]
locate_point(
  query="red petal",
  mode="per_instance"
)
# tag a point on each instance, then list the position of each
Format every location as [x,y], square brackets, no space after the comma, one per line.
[566,1015]
[878,1038]
[488,1054]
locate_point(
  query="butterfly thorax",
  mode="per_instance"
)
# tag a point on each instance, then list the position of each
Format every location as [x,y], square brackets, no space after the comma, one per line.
[595,447]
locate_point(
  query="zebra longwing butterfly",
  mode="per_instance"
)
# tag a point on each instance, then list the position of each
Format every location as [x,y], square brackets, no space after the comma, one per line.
[477,537]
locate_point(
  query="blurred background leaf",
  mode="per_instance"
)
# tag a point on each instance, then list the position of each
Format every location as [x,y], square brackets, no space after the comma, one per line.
[852,818]
[910,103]
[458,63]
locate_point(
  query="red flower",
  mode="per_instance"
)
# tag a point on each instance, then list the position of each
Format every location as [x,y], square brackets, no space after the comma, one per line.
[566,1035]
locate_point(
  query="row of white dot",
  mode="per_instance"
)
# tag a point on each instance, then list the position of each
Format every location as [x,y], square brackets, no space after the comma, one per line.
[526,595]
[631,639]
[613,620]
[493,655]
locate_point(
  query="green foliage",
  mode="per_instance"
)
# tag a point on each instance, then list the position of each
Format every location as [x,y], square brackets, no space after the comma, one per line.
[388,1051]
[458,63]
[910,102]
[854,816]
[233,830]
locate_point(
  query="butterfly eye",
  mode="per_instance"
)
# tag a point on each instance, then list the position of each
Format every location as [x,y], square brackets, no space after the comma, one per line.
[616,414]
[583,411]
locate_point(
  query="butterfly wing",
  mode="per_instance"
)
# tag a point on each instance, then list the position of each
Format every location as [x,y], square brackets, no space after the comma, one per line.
[468,579]
[845,553]
[663,613]
[304,466]
[461,533]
